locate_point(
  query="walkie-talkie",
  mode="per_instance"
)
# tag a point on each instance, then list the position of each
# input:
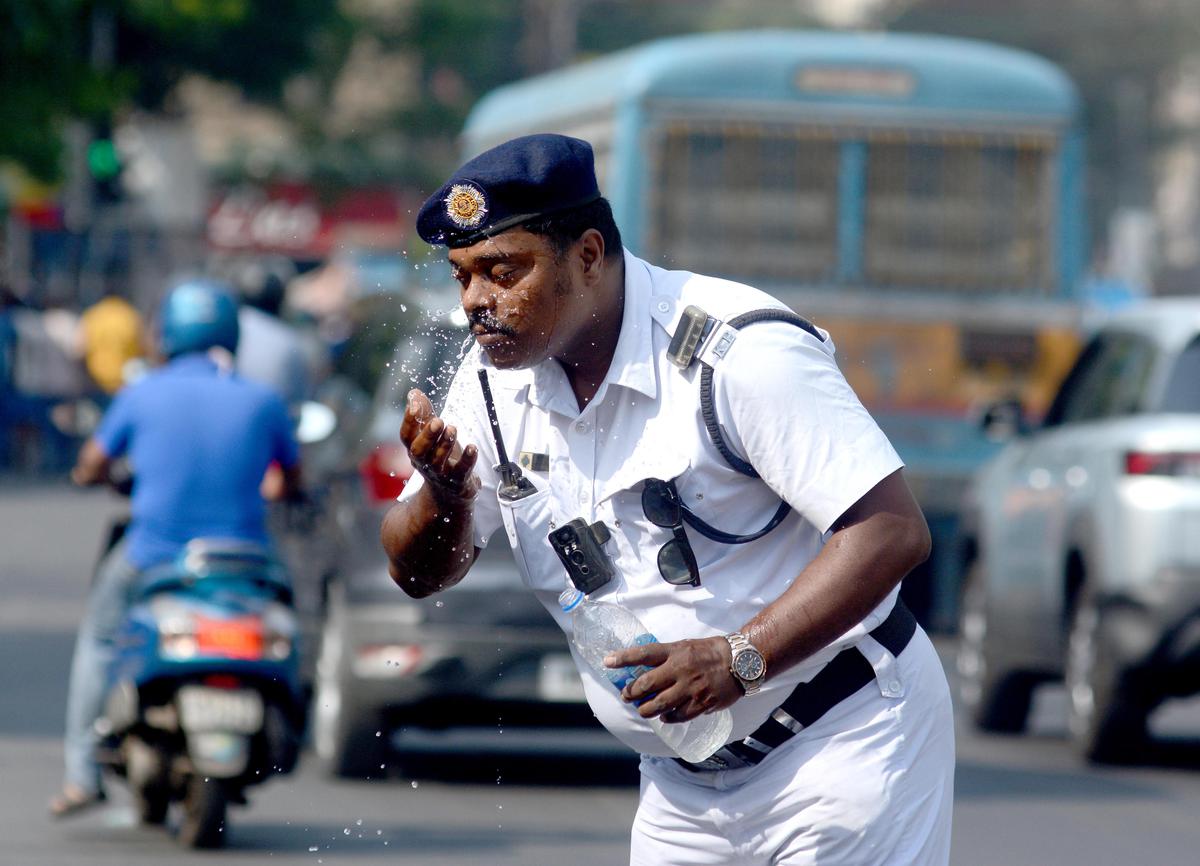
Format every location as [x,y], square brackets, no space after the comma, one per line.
[513,484]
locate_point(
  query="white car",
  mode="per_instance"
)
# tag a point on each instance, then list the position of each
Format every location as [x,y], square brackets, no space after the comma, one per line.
[1083,541]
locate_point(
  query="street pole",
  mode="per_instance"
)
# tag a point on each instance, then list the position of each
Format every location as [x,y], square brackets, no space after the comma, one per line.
[551,34]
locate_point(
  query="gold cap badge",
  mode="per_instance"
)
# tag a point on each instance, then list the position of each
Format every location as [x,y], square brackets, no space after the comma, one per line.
[466,206]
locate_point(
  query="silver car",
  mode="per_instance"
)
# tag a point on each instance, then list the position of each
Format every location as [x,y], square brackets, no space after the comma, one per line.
[479,666]
[1083,541]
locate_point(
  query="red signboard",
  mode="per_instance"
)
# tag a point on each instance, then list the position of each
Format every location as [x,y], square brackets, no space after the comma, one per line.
[292,220]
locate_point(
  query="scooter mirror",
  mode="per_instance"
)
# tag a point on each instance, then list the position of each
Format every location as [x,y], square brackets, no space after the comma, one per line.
[317,423]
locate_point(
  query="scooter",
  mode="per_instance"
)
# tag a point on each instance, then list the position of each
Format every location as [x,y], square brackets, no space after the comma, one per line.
[204,698]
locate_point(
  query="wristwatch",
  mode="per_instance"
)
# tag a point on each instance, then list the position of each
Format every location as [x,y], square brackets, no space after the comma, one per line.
[748,666]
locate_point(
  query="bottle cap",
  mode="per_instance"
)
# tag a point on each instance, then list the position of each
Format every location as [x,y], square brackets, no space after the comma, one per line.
[569,599]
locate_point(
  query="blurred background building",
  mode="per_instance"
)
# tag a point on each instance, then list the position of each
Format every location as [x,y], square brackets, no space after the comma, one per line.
[141,137]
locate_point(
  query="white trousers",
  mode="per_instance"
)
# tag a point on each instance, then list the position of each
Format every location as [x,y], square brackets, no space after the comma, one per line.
[871,783]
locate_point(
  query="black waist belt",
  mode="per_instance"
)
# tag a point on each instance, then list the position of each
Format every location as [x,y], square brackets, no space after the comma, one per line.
[845,674]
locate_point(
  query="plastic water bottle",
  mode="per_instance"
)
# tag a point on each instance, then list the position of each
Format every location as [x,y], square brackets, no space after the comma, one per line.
[600,627]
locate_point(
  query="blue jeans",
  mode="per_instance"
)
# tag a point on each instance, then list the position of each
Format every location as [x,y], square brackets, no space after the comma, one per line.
[110,598]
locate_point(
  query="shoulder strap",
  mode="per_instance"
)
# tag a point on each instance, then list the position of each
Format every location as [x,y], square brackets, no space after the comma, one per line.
[708,410]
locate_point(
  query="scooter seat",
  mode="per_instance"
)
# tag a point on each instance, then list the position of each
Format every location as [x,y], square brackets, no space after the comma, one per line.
[220,558]
[202,554]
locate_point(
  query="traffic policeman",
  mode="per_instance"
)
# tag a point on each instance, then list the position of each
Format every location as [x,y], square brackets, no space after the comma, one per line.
[842,745]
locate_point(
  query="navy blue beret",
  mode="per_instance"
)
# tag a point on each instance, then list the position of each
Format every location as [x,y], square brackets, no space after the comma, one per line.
[511,184]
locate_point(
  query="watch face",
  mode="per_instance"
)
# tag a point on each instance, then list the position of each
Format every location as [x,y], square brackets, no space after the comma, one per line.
[748,665]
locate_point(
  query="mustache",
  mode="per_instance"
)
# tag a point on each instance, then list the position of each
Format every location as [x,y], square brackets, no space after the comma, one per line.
[484,320]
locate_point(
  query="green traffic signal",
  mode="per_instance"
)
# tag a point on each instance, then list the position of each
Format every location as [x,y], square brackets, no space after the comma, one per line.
[103,161]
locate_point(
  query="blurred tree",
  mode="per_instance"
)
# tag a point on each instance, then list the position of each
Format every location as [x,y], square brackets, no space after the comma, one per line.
[62,59]
[45,76]
[256,44]
[464,48]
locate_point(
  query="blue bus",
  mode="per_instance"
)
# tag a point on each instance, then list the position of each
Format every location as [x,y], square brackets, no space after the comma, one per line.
[921,197]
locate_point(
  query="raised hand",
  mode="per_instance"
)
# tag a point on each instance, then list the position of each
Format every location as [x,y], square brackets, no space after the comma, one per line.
[435,452]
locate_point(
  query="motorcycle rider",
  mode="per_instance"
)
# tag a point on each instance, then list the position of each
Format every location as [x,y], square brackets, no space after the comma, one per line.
[272,351]
[199,439]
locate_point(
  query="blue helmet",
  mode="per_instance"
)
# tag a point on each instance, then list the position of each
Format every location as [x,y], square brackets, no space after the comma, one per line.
[197,315]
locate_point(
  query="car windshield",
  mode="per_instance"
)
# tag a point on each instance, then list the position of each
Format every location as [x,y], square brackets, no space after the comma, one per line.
[1182,393]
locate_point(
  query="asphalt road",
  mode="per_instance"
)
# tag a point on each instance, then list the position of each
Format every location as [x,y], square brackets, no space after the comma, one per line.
[1018,801]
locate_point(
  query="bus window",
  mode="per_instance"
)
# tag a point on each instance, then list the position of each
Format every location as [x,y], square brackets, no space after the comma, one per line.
[959,213]
[745,200]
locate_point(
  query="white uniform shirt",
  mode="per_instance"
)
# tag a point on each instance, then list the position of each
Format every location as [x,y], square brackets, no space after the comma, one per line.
[784,405]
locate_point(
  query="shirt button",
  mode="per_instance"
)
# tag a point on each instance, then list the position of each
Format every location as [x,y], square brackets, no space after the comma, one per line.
[664,307]
[894,687]
[583,426]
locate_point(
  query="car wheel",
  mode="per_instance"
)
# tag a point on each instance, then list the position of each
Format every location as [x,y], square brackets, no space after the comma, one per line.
[350,742]
[1105,724]
[997,700]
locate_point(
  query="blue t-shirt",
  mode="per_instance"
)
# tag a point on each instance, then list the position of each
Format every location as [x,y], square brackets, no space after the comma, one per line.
[199,440]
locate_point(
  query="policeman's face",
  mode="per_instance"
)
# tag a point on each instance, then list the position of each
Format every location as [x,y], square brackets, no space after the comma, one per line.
[520,297]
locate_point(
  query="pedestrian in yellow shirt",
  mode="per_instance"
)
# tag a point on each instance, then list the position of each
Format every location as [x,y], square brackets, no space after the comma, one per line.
[112,332]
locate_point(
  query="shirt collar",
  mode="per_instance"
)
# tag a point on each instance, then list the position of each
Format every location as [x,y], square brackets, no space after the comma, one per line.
[192,361]
[633,360]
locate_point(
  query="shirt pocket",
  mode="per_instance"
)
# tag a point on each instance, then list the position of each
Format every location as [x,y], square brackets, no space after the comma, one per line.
[635,540]
[527,525]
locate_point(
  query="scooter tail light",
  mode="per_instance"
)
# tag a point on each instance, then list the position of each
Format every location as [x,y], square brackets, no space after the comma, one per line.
[240,638]
[1175,464]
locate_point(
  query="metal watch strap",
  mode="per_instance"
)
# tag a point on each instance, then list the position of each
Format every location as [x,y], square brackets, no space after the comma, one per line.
[739,643]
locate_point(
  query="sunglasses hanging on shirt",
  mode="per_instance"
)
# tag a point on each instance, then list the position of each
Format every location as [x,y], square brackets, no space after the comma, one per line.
[664,507]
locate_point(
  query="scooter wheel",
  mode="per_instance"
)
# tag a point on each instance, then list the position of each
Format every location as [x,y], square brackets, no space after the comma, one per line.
[204,809]
[151,805]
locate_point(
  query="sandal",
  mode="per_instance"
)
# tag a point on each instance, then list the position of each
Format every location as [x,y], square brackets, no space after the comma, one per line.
[72,800]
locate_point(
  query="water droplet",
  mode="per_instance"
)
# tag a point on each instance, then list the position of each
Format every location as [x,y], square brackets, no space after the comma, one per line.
[437,604]
[346,831]
[415,785]
[312,849]
[358,823]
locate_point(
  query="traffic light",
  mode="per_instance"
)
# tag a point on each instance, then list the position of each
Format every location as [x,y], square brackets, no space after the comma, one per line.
[105,167]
